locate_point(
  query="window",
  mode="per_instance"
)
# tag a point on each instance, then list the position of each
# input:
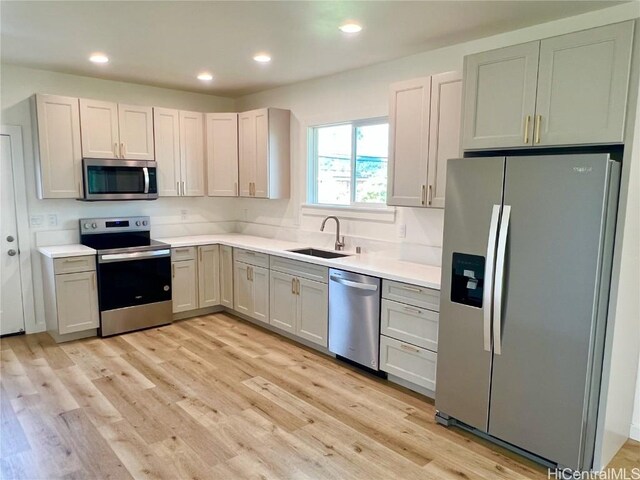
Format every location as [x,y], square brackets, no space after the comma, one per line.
[348,163]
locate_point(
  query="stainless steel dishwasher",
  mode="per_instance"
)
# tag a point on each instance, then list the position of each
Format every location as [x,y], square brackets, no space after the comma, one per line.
[354,317]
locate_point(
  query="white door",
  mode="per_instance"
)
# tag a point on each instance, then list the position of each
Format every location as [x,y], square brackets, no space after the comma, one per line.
[77,302]
[582,86]
[444,136]
[313,311]
[11,313]
[136,132]
[226,276]
[222,154]
[192,153]
[284,301]
[184,286]
[166,124]
[408,142]
[500,97]
[243,289]
[246,153]
[260,280]
[99,129]
[60,153]
[208,276]
[261,182]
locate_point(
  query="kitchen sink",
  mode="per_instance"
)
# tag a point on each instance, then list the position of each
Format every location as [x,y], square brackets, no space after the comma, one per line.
[313,252]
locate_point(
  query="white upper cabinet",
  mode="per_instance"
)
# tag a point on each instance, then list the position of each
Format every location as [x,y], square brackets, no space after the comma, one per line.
[222,154]
[99,126]
[111,130]
[136,132]
[582,86]
[192,153]
[424,132]
[500,97]
[565,90]
[408,142]
[263,153]
[166,123]
[58,147]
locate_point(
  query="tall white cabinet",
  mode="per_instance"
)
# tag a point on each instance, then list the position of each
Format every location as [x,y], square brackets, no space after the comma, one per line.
[222,154]
[424,131]
[565,90]
[179,144]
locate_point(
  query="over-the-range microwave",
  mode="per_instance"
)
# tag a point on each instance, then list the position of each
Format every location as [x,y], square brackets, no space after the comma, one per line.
[116,179]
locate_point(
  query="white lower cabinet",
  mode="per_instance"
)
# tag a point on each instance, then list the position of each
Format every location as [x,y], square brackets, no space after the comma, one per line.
[313,311]
[208,276]
[408,323]
[184,285]
[251,291]
[226,276]
[77,300]
[284,301]
[411,363]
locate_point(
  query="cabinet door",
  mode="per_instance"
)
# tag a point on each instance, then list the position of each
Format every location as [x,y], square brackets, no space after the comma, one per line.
[226,276]
[184,286]
[260,280]
[261,182]
[313,311]
[208,276]
[77,301]
[60,151]
[408,362]
[246,153]
[192,153]
[99,129]
[408,142]
[166,124]
[444,133]
[242,289]
[500,97]
[284,301]
[582,86]
[136,132]
[222,154]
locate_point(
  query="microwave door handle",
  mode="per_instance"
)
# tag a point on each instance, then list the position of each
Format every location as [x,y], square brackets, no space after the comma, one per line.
[145,170]
[500,273]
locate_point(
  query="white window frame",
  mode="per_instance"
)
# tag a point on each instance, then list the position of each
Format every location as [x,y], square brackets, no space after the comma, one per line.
[312,171]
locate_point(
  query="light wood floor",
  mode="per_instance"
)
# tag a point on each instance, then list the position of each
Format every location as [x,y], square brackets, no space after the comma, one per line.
[217,398]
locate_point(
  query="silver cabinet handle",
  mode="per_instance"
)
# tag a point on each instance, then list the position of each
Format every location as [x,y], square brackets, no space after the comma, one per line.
[430,198]
[178,189]
[122,150]
[184,188]
[115,149]
[145,171]
[527,120]
[74,260]
[297,286]
[409,348]
[488,276]
[422,194]
[93,281]
[411,289]
[412,310]
[349,283]
[293,286]
[499,285]
[538,121]
[173,270]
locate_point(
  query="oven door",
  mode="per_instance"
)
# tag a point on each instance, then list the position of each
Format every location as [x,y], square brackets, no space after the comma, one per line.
[134,279]
[106,179]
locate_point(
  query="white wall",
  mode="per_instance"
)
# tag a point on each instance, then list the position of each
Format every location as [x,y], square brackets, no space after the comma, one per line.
[173,216]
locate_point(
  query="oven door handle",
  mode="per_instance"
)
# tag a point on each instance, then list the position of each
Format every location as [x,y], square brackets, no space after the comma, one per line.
[145,170]
[123,257]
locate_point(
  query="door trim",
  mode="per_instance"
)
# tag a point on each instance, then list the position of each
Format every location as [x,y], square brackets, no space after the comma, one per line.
[14,132]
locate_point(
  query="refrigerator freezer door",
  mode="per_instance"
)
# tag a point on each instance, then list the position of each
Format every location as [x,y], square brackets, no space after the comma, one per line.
[474,188]
[553,260]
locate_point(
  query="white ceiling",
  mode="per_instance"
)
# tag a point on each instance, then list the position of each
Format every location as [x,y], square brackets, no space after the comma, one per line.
[168,43]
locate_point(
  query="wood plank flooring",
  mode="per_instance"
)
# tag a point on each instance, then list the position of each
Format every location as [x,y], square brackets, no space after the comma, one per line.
[217,398]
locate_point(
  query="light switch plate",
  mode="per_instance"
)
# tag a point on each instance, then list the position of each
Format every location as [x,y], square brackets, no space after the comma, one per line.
[52,220]
[36,220]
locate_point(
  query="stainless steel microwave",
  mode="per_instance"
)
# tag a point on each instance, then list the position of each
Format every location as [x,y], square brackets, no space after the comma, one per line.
[115,179]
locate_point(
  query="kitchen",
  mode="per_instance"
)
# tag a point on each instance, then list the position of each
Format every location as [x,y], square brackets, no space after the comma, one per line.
[401,245]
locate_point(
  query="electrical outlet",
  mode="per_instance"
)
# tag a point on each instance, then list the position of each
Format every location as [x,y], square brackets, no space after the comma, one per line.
[52,220]
[36,220]
[184,214]
[402,230]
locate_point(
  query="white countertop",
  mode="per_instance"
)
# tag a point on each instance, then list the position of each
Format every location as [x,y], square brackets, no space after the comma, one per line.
[59,251]
[368,264]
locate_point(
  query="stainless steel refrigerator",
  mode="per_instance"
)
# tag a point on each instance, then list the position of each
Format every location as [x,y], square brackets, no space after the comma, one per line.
[526,268]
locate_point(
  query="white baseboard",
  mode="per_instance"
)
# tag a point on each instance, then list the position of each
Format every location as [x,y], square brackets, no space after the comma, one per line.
[635,432]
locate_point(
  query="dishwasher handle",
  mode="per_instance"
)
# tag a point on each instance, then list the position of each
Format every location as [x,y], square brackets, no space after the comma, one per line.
[349,283]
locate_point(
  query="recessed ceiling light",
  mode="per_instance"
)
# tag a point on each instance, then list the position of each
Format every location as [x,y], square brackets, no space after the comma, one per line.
[98,58]
[262,58]
[205,77]
[350,28]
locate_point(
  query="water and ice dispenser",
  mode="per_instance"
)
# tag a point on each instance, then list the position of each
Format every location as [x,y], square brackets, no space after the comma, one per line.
[467,279]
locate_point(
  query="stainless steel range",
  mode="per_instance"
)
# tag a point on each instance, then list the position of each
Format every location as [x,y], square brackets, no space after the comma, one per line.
[134,273]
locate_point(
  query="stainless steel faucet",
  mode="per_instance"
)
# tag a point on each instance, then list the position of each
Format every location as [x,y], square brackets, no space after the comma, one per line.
[339,241]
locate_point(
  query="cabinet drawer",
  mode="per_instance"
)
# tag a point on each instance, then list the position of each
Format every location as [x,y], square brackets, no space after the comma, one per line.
[251,257]
[183,253]
[411,324]
[411,363]
[307,270]
[74,264]
[411,294]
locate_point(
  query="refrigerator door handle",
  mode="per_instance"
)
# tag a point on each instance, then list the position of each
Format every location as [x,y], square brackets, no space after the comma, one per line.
[488,276]
[499,284]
